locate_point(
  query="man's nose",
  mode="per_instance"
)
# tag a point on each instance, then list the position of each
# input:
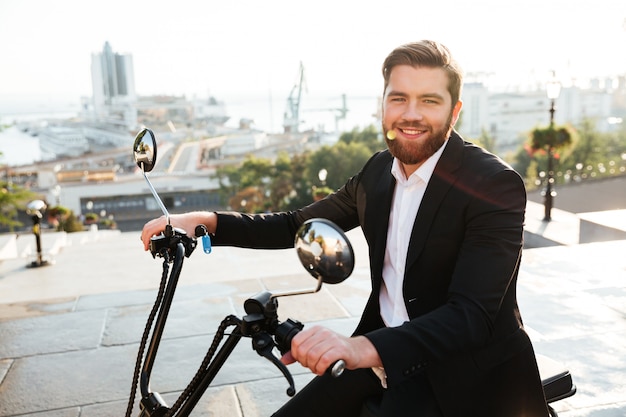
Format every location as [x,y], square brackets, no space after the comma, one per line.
[412,112]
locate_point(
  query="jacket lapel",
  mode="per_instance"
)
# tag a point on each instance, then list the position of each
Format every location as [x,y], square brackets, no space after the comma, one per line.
[378,218]
[442,179]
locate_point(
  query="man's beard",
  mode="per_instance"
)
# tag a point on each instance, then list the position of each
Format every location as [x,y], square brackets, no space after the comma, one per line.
[414,151]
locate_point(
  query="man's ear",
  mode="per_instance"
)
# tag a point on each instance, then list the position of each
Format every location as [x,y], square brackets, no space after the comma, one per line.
[456,112]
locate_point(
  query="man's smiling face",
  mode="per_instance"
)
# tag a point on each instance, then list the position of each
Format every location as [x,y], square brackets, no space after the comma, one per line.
[418,114]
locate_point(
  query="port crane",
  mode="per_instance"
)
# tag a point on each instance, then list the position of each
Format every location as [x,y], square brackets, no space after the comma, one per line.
[291,120]
[340,112]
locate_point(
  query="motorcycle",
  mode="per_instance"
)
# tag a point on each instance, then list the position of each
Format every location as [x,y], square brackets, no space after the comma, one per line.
[324,251]
[326,254]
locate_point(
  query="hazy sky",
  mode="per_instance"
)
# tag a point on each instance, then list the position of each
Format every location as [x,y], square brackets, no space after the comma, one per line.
[252,47]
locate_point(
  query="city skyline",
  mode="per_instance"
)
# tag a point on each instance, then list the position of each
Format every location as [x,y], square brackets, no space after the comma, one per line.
[238,50]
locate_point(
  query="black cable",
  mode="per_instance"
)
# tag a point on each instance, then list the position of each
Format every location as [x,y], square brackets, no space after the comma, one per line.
[191,388]
[146,334]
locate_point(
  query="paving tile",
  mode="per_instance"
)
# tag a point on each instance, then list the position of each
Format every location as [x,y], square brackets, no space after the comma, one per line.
[5,365]
[596,363]
[186,318]
[613,297]
[569,314]
[353,292]
[66,412]
[51,333]
[70,379]
[216,402]
[262,399]
[612,410]
[36,308]
[183,292]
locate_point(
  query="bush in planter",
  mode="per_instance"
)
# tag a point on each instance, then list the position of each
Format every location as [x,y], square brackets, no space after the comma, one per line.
[551,137]
[91,218]
[107,224]
[72,224]
[63,219]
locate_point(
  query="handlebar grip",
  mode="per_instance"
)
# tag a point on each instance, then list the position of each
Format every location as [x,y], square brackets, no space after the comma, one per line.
[287,330]
[337,368]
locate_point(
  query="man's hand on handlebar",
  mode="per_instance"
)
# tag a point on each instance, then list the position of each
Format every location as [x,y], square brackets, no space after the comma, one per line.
[186,221]
[317,348]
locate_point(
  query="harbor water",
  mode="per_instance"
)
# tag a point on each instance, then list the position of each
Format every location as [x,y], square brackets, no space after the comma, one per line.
[18,148]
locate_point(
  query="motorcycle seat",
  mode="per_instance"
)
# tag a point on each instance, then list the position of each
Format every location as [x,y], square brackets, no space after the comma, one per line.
[555,378]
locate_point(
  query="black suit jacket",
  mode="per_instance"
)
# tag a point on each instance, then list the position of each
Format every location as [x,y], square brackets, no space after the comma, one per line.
[465,331]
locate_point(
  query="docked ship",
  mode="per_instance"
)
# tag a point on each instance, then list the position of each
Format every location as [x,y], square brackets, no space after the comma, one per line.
[62,141]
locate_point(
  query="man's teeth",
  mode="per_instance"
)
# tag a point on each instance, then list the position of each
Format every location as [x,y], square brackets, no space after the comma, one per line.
[411,131]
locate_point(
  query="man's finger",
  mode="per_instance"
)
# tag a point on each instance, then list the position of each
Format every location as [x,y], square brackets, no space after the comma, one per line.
[287,358]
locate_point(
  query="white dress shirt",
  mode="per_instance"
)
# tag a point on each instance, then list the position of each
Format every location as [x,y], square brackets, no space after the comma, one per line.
[407,198]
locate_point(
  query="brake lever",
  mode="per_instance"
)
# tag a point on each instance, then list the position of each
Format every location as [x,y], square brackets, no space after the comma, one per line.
[263,344]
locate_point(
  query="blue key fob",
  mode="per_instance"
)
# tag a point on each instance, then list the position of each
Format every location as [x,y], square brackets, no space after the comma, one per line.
[206,243]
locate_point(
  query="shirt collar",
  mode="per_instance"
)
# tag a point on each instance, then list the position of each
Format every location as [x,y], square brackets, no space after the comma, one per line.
[424,172]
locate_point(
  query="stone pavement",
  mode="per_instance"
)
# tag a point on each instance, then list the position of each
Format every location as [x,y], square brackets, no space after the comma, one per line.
[69,332]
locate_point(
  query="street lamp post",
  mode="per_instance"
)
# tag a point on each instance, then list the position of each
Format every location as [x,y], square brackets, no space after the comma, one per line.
[35,209]
[553,90]
[56,192]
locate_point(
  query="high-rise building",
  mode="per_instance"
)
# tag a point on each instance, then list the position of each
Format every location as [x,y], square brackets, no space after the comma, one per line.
[113,81]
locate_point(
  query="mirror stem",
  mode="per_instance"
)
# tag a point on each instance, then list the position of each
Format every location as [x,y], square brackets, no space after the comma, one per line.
[156,197]
[320,281]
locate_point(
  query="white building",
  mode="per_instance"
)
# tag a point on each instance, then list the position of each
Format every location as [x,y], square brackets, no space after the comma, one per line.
[113,85]
[509,116]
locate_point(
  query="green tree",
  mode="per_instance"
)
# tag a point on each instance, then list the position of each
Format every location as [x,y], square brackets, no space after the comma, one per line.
[522,160]
[595,154]
[486,141]
[259,185]
[298,195]
[233,179]
[341,161]
[370,136]
[247,200]
[287,177]
[588,147]
[12,199]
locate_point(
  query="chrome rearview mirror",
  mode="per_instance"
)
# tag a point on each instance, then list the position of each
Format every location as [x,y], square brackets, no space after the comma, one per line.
[324,251]
[145,150]
[145,154]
